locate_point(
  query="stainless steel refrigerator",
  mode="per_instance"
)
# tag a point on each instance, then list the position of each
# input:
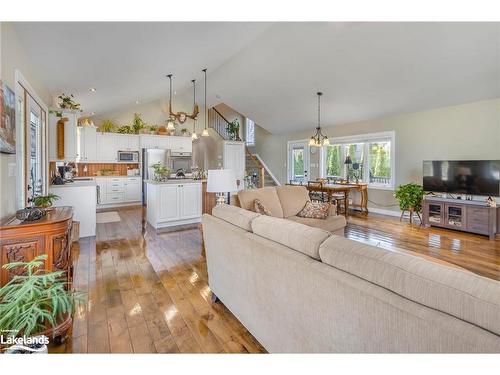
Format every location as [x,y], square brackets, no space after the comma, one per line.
[152,156]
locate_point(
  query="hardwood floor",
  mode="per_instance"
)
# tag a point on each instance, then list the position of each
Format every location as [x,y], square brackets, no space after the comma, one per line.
[148,292]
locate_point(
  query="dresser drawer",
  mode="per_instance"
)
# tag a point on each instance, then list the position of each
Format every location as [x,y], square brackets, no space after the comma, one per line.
[115,185]
[115,198]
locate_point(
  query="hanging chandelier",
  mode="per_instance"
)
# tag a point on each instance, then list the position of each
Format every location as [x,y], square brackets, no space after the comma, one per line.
[171,119]
[205,130]
[319,139]
[194,136]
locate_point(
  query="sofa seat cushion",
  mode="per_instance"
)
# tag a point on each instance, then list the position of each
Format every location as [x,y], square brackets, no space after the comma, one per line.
[266,195]
[457,292]
[296,236]
[235,215]
[292,199]
[330,224]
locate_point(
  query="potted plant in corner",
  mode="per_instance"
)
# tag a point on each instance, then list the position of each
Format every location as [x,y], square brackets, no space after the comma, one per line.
[410,198]
[45,201]
[35,305]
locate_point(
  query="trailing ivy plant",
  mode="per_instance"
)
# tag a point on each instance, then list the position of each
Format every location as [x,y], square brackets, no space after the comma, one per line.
[410,197]
[32,302]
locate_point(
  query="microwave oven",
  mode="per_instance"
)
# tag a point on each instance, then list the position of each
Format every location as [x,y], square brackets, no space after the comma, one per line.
[128,156]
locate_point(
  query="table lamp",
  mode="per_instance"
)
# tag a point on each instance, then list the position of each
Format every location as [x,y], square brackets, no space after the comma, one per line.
[348,162]
[221,181]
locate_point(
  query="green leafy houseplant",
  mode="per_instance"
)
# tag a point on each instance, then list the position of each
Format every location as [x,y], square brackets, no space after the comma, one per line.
[161,172]
[45,201]
[107,126]
[68,102]
[37,301]
[410,197]
[153,129]
[125,129]
[233,130]
[137,124]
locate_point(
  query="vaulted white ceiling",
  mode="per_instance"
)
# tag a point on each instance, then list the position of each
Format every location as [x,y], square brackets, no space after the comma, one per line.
[128,61]
[271,72]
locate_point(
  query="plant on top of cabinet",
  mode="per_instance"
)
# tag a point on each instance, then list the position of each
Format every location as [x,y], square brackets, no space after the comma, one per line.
[153,129]
[161,172]
[125,129]
[107,126]
[137,124]
[68,102]
[185,133]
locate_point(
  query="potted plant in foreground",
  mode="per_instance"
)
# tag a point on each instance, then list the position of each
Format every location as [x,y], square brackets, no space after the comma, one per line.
[45,201]
[33,304]
[410,198]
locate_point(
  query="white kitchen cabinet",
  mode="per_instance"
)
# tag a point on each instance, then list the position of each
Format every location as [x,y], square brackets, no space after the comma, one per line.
[87,144]
[181,144]
[190,199]
[121,142]
[107,150]
[70,136]
[134,142]
[132,189]
[163,141]
[149,141]
[173,203]
[168,203]
[119,190]
[234,158]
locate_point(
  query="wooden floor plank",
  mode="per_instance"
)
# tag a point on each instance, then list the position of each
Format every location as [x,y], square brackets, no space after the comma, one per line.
[148,292]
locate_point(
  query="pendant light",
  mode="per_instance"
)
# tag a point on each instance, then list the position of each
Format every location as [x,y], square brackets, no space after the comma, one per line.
[170,121]
[194,136]
[205,130]
[319,139]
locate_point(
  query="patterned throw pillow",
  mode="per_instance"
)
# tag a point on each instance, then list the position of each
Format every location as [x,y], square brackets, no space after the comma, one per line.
[315,210]
[259,207]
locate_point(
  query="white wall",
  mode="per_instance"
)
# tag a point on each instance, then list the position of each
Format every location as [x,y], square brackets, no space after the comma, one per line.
[13,57]
[467,131]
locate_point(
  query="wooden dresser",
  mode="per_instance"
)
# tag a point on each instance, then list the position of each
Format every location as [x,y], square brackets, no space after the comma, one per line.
[51,235]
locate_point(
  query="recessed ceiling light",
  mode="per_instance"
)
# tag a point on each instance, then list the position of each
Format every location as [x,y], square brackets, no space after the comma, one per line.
[137,102]
[93,89]
[92,113]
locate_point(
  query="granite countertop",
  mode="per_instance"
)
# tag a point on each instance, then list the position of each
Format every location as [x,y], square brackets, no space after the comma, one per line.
[175,181]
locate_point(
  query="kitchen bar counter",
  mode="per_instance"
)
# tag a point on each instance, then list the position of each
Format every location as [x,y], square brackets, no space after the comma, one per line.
[173,202]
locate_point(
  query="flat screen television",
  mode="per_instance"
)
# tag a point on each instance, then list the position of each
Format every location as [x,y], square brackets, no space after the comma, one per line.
[473,177]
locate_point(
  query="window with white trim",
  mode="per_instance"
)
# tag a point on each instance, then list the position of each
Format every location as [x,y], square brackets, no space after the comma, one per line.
[365,158]
[249,132]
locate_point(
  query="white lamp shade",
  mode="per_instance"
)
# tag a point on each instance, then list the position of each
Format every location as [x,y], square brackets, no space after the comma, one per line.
[221,181]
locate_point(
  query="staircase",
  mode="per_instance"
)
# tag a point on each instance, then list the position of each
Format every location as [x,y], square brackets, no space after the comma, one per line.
[260,175]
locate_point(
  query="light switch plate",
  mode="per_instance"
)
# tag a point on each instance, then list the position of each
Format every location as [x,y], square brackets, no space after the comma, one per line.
[12,169]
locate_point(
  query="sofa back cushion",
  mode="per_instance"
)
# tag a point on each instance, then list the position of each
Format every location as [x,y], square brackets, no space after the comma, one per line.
[457,292]
[235,215]
[296,236]
[267,196]
[292,199]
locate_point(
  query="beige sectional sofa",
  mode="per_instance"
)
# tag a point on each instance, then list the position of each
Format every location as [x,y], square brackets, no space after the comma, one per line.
[302,289]
[286,202]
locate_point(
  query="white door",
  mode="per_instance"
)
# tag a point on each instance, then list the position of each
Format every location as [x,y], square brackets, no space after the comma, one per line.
[298,161]
[190,198]
[132,189]
[234,158]
[89,138]
[168,202]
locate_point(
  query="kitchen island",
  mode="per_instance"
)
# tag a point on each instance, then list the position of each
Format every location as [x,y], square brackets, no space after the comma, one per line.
[173,202]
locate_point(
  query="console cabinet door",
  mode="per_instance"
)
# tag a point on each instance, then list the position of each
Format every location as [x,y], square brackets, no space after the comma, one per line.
[479,220]
[190,197]
[436,214]
[168,202]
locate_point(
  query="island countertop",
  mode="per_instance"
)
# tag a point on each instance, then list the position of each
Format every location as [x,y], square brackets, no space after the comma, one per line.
[175,181]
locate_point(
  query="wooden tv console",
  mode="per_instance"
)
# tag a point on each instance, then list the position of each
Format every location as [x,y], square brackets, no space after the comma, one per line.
[468,216]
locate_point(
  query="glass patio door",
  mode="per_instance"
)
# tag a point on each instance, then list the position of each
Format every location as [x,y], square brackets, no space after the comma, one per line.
[298,161]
